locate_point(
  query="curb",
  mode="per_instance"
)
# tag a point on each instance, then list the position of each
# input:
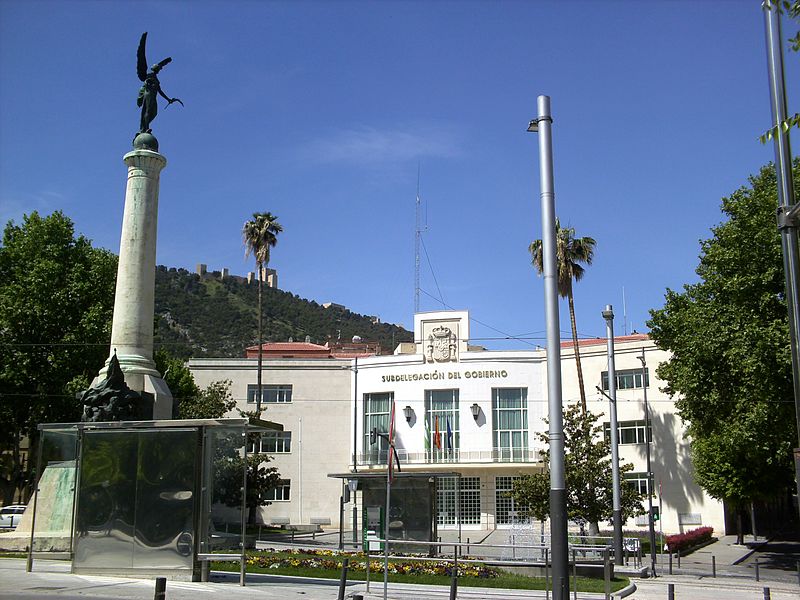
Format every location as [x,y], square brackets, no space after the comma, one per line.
[625,592]
[752,551]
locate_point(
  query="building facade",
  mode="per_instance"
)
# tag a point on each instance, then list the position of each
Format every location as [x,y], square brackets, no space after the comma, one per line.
[458,409]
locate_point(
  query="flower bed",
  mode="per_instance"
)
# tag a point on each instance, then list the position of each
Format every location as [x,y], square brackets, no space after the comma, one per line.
[331,559]
[684,541]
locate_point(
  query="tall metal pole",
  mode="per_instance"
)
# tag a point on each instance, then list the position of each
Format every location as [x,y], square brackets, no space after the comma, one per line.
[608,315]
[355,447]
[355,416]
[787,208]
[558,493]
[650,478]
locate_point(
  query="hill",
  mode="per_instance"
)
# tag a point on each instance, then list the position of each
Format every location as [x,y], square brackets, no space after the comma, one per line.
[212,317]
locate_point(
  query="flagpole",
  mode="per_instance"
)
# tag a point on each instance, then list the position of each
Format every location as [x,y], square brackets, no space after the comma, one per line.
[390,458]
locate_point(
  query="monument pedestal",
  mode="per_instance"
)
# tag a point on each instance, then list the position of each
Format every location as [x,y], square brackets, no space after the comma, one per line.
[134,301]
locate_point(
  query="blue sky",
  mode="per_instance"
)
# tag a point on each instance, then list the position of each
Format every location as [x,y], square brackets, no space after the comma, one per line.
[323,112]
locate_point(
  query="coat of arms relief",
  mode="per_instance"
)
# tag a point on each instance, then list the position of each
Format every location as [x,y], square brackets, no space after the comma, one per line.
[442,345]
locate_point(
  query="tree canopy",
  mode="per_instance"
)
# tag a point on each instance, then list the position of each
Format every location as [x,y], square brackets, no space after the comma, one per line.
[56,302]
[571,253]
[587,473]
[730,366]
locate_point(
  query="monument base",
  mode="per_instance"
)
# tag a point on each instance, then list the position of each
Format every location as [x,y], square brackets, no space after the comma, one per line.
[142,377]
[53,511]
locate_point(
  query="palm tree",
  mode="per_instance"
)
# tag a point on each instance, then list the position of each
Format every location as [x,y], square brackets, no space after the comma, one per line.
[570,253]
[260,235]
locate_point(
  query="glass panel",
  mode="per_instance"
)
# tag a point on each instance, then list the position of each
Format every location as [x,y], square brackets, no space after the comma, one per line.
[53,526]
[376,416]
[136,500]
[442,435]
[222,503]
[510,411]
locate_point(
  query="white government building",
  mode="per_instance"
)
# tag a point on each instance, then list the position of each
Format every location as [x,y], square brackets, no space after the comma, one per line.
[487,406]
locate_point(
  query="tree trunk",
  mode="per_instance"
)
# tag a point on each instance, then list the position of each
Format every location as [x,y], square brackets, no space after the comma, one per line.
[594,529]
[577,351]
[251,514]
[739,528]
[260,342]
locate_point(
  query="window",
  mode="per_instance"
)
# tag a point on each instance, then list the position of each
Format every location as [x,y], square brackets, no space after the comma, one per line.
[273,394]
[376,416]
[470,500]
[273,442]
[510,412]
[505,507]
[441,425]
[630,432]
[627,379]
[639,481]
[280,492]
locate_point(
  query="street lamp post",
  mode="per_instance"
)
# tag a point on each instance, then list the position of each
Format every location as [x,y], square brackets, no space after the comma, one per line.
[788,207]
[355,448]
[558,493]
[649,468]
[608,315]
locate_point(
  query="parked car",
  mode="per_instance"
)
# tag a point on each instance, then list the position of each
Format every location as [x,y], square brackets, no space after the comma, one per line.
[10,515]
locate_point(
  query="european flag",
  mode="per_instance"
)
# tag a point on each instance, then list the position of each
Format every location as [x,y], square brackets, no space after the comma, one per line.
[449,436]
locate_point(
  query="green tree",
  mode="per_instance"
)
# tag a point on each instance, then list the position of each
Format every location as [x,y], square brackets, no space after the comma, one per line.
[730,366]
[570,253]
[261,480]
[260,235]
[56,301]
[179,380]
[587,473]
[215,402]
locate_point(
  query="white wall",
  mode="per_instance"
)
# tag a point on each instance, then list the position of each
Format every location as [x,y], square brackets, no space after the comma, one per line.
[318,417]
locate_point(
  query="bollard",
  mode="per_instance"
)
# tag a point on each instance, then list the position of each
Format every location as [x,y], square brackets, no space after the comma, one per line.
[758,575]
[671,591]
[454,575]
[679,559]
[670,563]
[467,545]
[575,574]
[161,588]
[766,594]
[293,536]
[607,573]
[343,578]
[713,566]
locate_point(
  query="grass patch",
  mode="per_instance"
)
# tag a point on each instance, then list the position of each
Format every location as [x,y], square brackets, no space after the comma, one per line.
[326,564]
[9,554]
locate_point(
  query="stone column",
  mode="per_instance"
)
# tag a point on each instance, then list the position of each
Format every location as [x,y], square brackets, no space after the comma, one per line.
[134,302]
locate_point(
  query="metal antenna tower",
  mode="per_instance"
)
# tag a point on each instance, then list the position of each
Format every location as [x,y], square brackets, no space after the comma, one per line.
[417,234]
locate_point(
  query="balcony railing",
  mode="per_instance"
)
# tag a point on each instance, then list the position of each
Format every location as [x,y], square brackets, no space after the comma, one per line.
[495,455]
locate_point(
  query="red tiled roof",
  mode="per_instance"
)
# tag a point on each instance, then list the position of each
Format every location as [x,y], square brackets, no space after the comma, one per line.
[619,339]
[308,350]
[289,350]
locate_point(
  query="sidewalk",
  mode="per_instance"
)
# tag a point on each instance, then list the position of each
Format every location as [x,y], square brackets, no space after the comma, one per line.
[52,579]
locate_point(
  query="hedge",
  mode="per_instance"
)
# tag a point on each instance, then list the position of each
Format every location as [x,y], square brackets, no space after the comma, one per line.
[689,539]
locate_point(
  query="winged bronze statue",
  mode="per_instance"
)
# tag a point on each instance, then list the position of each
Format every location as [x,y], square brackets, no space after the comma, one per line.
[148,99]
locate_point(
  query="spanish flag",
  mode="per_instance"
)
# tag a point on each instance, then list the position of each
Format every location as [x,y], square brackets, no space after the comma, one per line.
[437,436]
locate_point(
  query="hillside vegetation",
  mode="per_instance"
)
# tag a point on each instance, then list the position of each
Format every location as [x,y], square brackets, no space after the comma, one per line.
[209,317]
